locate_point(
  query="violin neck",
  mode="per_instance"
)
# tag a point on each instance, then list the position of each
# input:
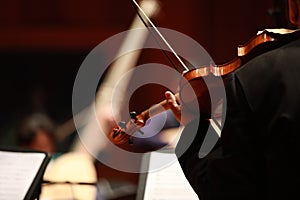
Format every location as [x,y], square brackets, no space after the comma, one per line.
[155,110]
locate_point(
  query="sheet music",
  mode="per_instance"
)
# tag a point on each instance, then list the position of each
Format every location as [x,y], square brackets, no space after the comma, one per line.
[17,172]
[168,183]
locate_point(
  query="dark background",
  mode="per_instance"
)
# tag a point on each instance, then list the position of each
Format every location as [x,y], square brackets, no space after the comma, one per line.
[42,43]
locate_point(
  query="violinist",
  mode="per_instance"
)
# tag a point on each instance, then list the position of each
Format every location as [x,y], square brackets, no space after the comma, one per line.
[257,154]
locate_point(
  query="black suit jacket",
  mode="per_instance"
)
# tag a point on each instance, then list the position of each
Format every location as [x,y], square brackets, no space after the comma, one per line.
[257,155]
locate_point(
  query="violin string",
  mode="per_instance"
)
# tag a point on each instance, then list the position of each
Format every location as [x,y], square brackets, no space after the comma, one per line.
[141,11]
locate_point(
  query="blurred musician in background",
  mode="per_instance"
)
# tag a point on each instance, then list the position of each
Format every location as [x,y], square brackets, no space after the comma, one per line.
[36,131]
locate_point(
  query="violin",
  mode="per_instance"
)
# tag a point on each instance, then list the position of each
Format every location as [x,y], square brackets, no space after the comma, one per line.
[264,41]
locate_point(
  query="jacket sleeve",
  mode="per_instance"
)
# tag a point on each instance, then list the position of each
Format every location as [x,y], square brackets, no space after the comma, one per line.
[227,170]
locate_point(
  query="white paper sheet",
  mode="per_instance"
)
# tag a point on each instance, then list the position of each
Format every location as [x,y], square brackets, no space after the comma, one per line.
[168,183]
[17,172]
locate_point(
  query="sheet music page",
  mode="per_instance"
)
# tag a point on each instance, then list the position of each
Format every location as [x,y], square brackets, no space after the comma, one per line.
[17,172]
[168,183]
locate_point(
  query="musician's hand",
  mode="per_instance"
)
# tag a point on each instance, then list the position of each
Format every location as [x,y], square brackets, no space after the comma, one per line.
[173,102]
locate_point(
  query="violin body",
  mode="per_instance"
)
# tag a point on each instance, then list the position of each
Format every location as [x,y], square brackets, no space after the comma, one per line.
[196,84]
[205,79]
